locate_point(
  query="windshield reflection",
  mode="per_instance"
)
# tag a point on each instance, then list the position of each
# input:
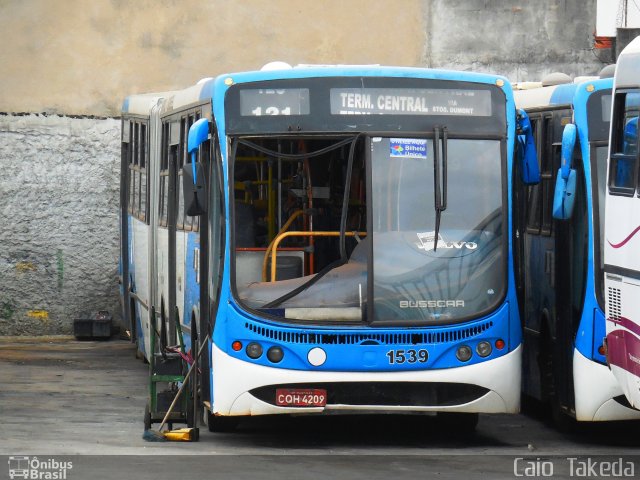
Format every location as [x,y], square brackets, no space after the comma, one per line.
[415,279]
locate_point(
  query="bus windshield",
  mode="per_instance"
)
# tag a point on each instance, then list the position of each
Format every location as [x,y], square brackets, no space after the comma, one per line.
[331,243]
[422,272]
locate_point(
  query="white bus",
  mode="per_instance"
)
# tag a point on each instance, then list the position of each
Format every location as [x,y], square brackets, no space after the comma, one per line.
[622,228]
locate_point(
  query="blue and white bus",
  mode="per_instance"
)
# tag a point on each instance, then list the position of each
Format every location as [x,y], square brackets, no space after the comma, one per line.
[559,240]
[622,260]
[342,241]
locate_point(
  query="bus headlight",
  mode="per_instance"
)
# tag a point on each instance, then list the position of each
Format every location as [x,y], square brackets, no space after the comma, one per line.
[483,349]
[464,353]
[254,350]
[275,354]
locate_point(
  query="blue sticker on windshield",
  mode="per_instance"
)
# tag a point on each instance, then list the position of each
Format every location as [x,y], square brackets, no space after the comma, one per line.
[408,148]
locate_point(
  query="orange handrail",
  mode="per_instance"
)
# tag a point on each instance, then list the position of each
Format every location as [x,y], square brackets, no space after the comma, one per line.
[287,224]
[282,236]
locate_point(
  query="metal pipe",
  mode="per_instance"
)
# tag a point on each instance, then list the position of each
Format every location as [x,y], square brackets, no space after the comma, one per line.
[265,261]
[284,235]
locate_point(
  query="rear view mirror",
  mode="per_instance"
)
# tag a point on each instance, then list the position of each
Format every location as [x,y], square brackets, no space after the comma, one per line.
[564,196]
[194,189]
[526,150]
[193,181]
[198,134]
[565,193]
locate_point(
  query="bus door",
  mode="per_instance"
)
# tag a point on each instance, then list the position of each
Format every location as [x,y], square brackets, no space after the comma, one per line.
[173,159]
[165,248]
[572,244]
[154,165]
[571,240]
[539,265]
[209,217]
[181,295]
[187,241]
[554,275]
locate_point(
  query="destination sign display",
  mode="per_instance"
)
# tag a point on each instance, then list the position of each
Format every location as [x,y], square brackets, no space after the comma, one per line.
[365,104]
[410,101]
[282,101]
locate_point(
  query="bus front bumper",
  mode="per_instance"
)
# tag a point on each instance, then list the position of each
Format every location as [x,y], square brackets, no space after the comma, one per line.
[236,382]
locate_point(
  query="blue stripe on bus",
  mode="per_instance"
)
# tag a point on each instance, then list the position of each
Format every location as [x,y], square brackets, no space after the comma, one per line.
[361,349]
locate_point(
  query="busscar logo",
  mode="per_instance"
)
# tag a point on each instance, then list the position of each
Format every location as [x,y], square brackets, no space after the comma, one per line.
[431,303]
[34,468]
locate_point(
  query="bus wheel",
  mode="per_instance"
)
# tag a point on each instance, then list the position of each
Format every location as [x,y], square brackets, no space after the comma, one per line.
[550,386]
[457,423]
[147,417]
[134,335]
[139,354]
[220,424]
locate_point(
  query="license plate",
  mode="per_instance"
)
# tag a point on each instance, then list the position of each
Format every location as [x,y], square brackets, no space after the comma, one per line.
[301,397]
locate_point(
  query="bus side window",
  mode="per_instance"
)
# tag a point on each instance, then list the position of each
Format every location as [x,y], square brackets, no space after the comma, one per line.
[143,184]
[137,161]
[185,222]
[182,223]
[164,177]
[128,145]
[623,171]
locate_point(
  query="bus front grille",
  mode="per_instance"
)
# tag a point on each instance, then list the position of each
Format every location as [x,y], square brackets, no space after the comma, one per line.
[414,337]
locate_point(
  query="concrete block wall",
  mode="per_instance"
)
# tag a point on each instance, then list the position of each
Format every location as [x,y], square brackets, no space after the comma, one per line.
[59,242]
[59,195]
[523,41]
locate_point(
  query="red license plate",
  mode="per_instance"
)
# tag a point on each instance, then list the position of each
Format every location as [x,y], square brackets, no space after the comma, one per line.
[301,397]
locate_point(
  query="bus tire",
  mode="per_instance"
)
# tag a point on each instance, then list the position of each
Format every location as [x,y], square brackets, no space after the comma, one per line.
[147,417]
[134,335]
[219,424]
[561,420]
[458,422]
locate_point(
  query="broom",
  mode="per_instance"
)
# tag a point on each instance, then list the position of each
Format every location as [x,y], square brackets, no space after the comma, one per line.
[182,433]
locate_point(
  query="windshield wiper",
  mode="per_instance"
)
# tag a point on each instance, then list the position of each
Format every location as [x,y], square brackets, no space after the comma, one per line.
[439,183]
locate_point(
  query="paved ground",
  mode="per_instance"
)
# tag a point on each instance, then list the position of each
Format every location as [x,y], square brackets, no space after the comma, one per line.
[63,397]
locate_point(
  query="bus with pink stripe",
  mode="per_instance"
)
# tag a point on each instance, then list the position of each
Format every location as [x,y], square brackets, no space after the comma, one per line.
[622,228]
